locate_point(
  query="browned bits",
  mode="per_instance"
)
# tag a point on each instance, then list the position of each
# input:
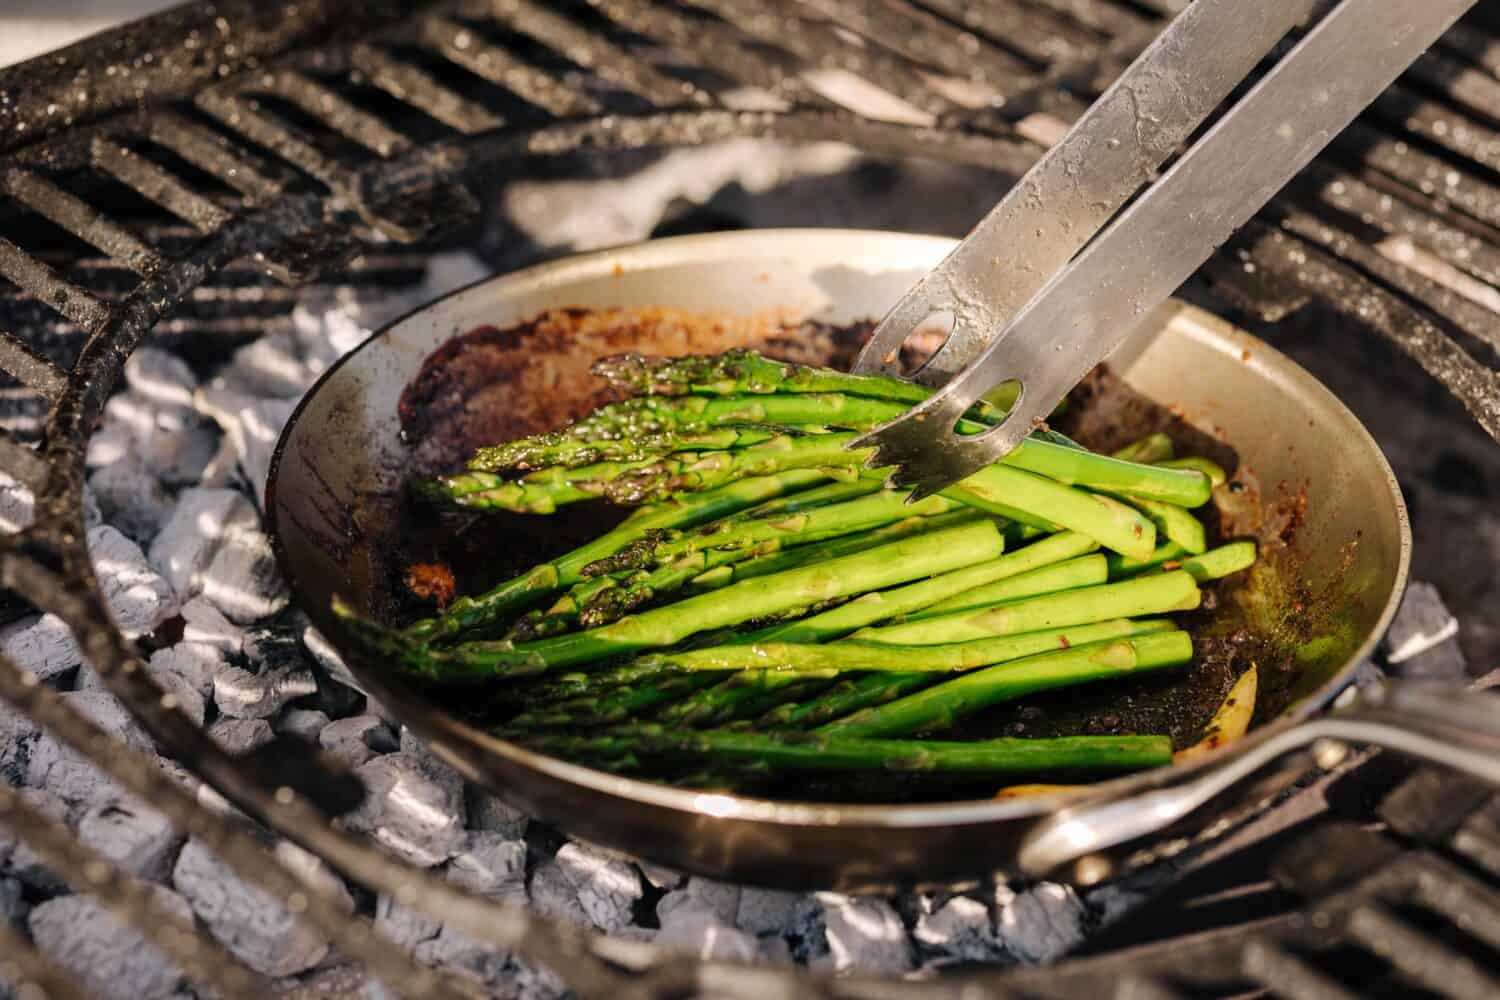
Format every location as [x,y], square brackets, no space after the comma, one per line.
[432,582]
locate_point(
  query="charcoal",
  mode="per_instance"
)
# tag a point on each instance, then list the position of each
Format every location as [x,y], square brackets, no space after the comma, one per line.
[1041,924]
[434,766]
[130,497]
[109,959]
[358,739]
[490,865]
[1422,622]
[134,838]
[304,723]
[20,861]
[137,594]
[195,662]
[194,533]
[222,471]
[714,942]
[864,934]
[314,873]
[17,503]
[960,928]
[241,694]
[553,895]
[42,645]
[701,901]
[58,769]
[251,424]
[243,580]
[771,911]
[605,886]
[238,737]
[276,644]
[189,699]
[161,378]
[244,918]
[269,366]
[327,657]
[494,814]
[206,625]
[13,905]
[18,736]
[403,925]
[409,811]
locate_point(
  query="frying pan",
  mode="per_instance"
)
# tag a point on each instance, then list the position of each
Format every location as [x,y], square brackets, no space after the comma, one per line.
[338,509]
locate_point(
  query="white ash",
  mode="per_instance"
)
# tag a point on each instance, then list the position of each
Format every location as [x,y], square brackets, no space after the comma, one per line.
[494,815]
[303,723]
[356,740]
[206,625]
[238,737]
[195,662]
[864,934]
[251,424]
[962,929]
[186,697]
[243,580]
[490,864]
[130,496]
[1042,923]
[240,694]
[63,772]
[42,644]
[134,838]
[243,917]
[194,533]
[138,595]
[13,905]
[17,503]
[606,886]
[110,960]
[407,810]
[22,862]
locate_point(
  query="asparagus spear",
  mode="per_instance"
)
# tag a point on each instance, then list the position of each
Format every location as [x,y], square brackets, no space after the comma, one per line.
[635,482]
[851,695]
[940,706]
[888,565]
[613,707]
[742,695]
[1214,471]
[853,654]
[546,451]
[1220,562]
[1085,571]
[1121,567]
[1230,721]
[1151,595]
[490,609]
[1001,489]
[1172,522]
[623,749]
[1151,449]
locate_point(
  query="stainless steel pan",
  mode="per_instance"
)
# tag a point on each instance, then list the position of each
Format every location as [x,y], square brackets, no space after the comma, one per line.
[335,505]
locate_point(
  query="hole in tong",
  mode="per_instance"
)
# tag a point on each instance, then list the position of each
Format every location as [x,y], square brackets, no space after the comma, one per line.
[926,337]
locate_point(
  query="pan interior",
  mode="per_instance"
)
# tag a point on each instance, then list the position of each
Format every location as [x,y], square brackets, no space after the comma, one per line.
[1311,481]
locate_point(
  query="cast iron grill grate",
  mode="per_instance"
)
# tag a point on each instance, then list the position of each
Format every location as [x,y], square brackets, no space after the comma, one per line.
[150,177]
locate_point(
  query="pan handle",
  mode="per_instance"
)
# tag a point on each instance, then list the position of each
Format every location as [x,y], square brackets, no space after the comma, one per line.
[1440,723]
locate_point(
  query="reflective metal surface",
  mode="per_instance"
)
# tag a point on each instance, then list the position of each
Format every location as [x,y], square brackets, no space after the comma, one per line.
[1213,189]
[341,461]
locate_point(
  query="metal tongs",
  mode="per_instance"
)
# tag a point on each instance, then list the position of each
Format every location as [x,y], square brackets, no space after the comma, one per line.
[1037,297]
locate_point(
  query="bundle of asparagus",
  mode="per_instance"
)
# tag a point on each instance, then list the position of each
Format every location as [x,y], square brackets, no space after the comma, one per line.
[772,604]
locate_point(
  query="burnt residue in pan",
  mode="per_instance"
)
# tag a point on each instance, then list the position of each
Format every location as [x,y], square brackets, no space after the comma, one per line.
[492,384]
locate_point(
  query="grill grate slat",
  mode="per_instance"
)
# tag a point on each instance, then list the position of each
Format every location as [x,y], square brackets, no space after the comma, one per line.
[51,288]
[981,79]
[594,53]
[464,48]
[158,185]
[81,219]
[406,82]
[1428,962]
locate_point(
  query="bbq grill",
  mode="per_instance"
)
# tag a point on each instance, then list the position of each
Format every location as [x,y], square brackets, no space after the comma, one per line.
[187,178]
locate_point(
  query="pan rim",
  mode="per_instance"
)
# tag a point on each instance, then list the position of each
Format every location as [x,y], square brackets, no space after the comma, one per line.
[430,721]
